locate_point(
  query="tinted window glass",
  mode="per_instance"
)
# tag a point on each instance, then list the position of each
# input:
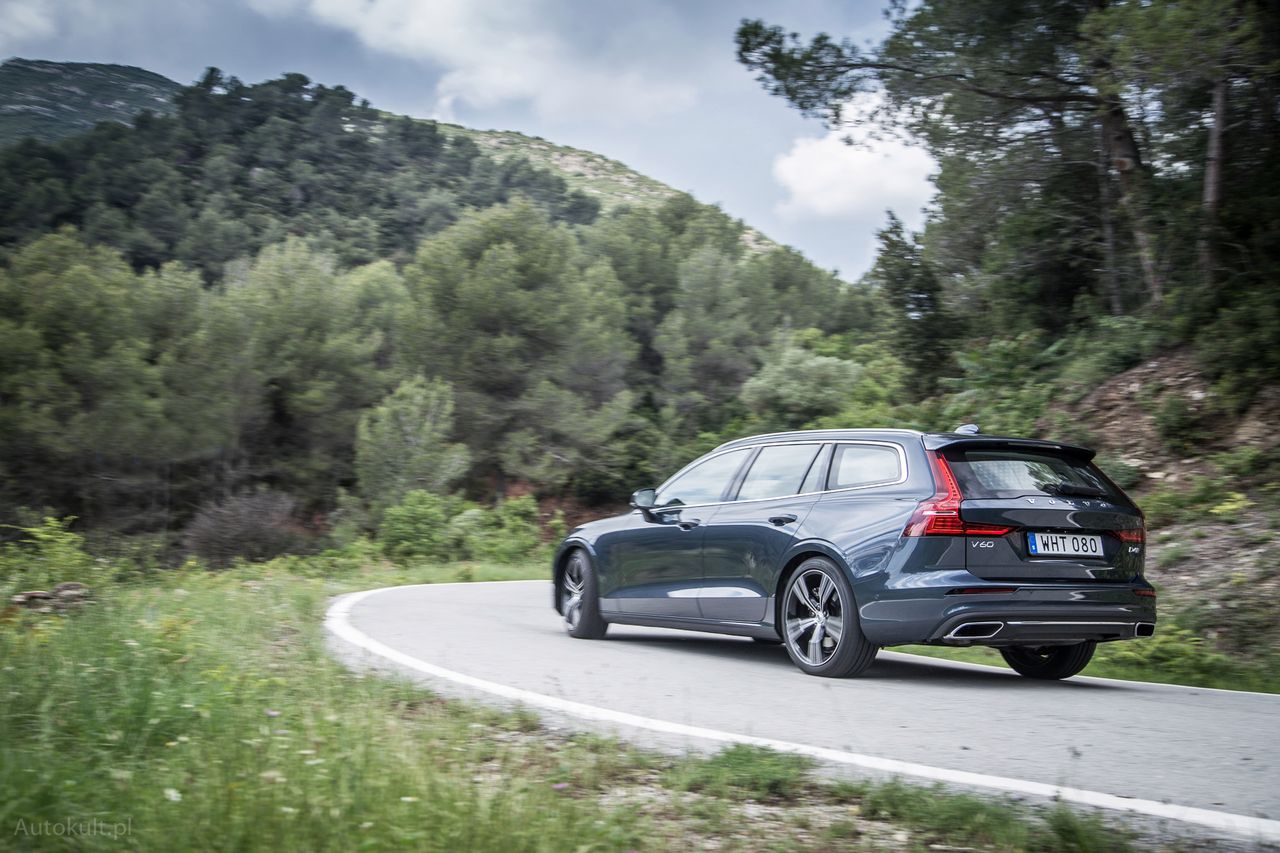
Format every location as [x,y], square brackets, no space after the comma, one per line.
[864,465]
[817,472]
[1014,473]
[705,482]
[777,471]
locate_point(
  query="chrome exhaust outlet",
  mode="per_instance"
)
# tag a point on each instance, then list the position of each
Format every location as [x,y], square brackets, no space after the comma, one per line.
[1144,629]
[975,631]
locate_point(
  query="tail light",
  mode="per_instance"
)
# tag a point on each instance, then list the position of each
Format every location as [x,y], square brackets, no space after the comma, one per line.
[940,514]
[1136,536]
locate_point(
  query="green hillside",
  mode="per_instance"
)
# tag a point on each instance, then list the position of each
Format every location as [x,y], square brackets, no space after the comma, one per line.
[608,181]
[52,100]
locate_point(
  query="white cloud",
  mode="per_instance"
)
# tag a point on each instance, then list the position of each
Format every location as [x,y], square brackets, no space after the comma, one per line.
[24,19]
[825,179]
[495,52]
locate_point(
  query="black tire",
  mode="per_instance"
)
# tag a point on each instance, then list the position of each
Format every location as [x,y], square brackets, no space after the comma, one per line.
[1049,662]
[818,598]
[579,599]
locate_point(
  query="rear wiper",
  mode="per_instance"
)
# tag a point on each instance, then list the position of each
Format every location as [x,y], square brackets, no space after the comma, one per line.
[1073,489]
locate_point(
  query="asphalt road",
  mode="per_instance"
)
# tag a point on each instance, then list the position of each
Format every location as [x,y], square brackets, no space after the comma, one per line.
[1203,749]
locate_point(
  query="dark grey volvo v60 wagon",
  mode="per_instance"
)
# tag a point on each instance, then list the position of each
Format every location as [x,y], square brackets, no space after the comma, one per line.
[838,542]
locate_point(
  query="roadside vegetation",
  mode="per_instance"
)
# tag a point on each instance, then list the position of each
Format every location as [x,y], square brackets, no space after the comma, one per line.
[274,345]
[203,705]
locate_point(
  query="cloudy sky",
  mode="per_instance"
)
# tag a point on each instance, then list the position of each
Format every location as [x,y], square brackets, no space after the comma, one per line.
[653,84]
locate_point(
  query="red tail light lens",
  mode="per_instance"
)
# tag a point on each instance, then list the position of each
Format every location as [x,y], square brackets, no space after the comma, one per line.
[1136,536]
[1145,593]
[971,529]
[940,515]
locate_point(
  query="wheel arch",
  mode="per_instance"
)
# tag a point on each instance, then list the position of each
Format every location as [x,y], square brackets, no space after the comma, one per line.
[801,552]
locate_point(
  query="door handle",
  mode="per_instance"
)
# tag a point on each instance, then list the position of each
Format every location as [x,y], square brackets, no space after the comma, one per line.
[689,523]
[780,520]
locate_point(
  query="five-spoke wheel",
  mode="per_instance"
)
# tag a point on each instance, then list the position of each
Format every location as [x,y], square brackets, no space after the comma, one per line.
[820,622]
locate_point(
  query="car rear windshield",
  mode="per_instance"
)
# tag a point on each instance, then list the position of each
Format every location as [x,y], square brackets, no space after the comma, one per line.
[998,473]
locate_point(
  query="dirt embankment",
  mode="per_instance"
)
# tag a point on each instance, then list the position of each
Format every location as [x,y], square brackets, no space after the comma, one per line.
[1217,560]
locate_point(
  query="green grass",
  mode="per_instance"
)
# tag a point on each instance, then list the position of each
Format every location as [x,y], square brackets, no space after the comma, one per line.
[993,823]
[205,707]
[933,815]
[744,771]
[203,710]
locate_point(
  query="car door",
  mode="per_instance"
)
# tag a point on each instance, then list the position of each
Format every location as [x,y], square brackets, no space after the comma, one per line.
[658,558]
[747,538]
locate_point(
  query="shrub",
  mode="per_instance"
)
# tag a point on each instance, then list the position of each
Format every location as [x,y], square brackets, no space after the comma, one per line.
[1177,423]
[504,534]
[48,554]
[418,527]
[1170,505]
[518,533]
[253,527]
[1126,476]
[1113,345]
[1177,652]
[429,526]
[1242,462]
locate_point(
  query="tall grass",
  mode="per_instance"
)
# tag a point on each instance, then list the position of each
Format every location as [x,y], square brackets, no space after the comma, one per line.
[204,712]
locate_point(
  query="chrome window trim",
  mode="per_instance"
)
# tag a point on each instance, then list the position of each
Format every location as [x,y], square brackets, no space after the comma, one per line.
[898,448]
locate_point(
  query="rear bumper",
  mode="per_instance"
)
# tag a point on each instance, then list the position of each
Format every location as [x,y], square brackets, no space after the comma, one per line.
[1041,628]
[1041,614]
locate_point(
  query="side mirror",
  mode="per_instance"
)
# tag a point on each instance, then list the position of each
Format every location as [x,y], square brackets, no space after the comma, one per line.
[644,498]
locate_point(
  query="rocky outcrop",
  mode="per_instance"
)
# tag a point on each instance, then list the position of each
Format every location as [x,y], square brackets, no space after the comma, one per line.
[64,596]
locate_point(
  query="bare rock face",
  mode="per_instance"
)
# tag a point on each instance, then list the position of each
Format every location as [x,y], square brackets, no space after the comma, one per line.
[64,596]
[33,599]
[71,591]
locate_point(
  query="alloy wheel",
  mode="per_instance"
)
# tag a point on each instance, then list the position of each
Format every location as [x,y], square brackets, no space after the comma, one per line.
[571,593]
[814,615]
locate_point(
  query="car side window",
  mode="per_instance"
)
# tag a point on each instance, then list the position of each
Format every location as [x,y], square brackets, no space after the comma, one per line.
[857,465]
[777,471]
[705,482]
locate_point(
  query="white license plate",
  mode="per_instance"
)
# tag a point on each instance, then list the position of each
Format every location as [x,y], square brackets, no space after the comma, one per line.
[1064,545]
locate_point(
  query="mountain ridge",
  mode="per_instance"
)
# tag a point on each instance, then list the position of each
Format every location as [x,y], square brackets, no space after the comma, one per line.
[49,100]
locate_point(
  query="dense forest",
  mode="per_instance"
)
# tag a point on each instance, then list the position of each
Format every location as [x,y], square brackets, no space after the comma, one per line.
[278,288]
[279,294]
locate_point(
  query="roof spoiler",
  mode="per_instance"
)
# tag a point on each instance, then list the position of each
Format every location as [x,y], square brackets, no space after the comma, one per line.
[938,441]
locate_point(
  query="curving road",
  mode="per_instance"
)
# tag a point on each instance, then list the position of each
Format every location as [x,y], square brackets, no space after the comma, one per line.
[1208,757]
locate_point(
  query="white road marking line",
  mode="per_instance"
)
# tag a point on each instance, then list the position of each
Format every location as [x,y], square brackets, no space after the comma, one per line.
[338,623]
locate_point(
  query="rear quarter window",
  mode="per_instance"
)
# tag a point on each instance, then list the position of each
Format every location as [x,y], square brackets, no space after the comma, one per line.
[985,474]
[858,465]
